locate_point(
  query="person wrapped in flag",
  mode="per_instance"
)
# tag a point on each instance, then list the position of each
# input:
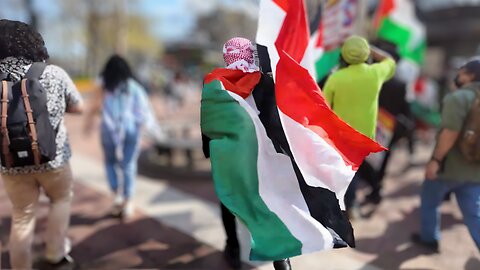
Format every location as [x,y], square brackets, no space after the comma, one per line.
[281,159]
[239,55]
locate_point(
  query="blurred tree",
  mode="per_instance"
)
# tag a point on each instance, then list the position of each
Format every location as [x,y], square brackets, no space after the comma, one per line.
[107,27]
[24,7]
[142,44]
[222,24]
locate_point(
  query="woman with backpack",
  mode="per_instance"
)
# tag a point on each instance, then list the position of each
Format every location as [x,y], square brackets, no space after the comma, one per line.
[35,151]
[123,104]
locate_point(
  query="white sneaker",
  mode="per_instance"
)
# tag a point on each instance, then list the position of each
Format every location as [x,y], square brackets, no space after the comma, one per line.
[117,206]
[127,210]
[118,199]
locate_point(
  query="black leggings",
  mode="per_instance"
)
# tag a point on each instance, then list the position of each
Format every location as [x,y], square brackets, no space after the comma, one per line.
[368,174]
[231,231]
[230,227]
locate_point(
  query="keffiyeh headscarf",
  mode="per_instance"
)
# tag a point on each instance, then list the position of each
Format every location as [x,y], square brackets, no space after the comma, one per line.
[239,54]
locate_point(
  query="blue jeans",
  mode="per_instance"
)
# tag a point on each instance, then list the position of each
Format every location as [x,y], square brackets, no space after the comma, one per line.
[128,164]
[468,198]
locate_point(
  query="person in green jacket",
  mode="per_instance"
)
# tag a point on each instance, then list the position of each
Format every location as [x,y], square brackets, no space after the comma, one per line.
[353,91]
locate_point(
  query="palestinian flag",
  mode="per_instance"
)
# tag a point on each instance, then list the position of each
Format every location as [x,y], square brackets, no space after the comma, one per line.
[284,21]
[281,159]
[396,22]
[319,41]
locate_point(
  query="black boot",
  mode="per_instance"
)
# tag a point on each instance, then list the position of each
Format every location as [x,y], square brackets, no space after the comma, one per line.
[374,197]
[232,256]
[282,264]
[431,247]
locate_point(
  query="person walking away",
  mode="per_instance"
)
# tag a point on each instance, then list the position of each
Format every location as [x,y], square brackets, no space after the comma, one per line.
[353,91]
[455,163]
[35,95]
[125,110]
[239,54]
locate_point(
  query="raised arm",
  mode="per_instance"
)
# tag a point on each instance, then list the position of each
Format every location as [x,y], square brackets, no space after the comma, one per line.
[379,55]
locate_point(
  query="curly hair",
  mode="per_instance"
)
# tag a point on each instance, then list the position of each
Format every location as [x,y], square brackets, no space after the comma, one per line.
[18,39]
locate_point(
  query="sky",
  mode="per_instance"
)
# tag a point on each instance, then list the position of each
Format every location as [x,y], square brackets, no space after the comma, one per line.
[170,20]
[176,18]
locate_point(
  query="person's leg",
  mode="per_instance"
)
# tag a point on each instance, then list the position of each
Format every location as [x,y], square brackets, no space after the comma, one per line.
[232,247]
[365,172]
[111,163]
[58,186]
[369,175]
[129,168]
[377,181]
[432,194]
[350,195]
[411,129]
[110,160]
[351,205]
[230,226]
[468,198]
[282,264]
[23,192]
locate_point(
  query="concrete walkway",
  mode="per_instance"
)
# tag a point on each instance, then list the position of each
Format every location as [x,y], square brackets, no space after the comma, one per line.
[177,224]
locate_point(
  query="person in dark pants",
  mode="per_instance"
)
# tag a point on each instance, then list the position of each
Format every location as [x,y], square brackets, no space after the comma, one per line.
[232,245]
[366,173]
[393,99]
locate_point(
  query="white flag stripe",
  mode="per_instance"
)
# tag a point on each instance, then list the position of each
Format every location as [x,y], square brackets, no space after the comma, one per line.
[270,23]
[280,190]
[404,15]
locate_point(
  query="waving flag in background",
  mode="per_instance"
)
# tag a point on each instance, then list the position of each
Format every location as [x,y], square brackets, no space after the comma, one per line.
[396,21]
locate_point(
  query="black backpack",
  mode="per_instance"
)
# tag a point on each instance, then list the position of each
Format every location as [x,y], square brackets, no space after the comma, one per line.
[26,137]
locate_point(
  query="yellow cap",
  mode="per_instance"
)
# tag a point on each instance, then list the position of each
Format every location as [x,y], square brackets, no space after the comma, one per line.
[355,50]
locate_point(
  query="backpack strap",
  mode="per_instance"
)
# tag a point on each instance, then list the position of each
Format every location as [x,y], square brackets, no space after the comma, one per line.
[35,70]
[31,123]
[6,140]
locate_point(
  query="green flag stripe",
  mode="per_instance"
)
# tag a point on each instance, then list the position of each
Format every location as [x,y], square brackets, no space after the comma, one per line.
[236,176]
[391,31]
[326,63]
